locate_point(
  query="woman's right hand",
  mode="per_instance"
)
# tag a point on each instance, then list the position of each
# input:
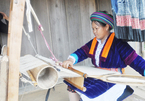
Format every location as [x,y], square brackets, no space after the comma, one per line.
[68,63]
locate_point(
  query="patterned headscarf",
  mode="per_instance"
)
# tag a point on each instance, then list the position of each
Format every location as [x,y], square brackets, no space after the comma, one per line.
[102,17]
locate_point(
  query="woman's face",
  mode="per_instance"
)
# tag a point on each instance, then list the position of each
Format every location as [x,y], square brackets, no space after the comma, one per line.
[100,32]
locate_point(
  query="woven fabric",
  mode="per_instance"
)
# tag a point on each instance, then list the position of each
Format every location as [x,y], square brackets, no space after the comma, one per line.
[129,19]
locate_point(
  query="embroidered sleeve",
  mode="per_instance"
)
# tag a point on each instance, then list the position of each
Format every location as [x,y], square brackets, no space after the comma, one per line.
[82,53]
[131,58]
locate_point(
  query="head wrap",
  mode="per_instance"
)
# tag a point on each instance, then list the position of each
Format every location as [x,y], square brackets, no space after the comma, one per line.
[102,17]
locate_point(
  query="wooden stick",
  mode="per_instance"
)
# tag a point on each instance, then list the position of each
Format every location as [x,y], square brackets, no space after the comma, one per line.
[122,79]
[78,72]
[32,77]
[14,46]
[74,84]
[4,75]
[35,16]
[20,75]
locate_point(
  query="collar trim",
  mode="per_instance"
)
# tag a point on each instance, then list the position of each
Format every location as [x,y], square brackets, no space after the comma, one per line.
[106,47]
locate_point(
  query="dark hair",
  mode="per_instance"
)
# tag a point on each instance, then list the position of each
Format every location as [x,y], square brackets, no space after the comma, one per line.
[103,24]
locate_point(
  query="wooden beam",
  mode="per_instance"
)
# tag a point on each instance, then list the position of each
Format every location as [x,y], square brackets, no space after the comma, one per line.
[78,82]
[4,75]
[14,46]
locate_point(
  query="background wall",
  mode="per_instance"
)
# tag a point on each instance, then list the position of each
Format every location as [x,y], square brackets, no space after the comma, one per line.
[66,26]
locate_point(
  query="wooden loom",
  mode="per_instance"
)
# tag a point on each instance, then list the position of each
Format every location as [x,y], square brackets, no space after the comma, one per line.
[16,16]
[14,47]
[46,73]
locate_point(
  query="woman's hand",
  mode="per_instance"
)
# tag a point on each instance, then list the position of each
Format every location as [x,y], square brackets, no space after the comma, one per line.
[68,63]
[4,16]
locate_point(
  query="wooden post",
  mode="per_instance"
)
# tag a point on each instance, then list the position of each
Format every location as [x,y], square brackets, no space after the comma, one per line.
[4,75]
[14,46]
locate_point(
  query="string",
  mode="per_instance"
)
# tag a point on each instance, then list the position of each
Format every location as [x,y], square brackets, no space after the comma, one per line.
[24,80]
[54,58]
[46,43]
[28,36]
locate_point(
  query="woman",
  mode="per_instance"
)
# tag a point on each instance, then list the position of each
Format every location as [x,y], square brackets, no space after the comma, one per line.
[106,52]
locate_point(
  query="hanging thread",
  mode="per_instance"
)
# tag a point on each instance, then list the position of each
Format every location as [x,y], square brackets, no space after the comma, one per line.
[28,36]
[54,58]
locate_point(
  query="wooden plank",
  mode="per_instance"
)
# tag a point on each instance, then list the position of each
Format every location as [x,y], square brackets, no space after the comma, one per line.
[74,25]
[85,24]
[14,46]
[78,82]
[4,75]
[41,9]
[92,8]
[85,21]
[5,5]
[104,5]
[3,79]
[58,29]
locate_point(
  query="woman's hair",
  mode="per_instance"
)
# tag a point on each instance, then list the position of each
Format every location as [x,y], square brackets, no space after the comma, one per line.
[101,23]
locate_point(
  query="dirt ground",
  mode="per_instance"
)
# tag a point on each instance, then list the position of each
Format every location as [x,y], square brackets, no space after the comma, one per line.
[60,94]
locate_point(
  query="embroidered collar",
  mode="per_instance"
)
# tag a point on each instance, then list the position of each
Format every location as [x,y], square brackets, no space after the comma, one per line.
[106,47]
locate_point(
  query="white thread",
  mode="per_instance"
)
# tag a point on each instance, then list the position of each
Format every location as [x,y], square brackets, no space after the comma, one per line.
[28,36]
[26,81]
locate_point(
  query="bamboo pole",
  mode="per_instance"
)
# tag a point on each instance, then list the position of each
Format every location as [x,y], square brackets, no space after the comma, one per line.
[32,78]
[14,46]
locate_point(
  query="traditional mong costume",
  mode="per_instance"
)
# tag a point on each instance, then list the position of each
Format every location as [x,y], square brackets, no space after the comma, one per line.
[115,55]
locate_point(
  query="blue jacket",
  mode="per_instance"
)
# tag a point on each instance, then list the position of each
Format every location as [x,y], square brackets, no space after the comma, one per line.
[119,55]
[115,54]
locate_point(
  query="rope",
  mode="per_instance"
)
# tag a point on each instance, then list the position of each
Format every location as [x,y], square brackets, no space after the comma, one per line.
[46,43]
[54,58]
[24,80]
[28,36]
